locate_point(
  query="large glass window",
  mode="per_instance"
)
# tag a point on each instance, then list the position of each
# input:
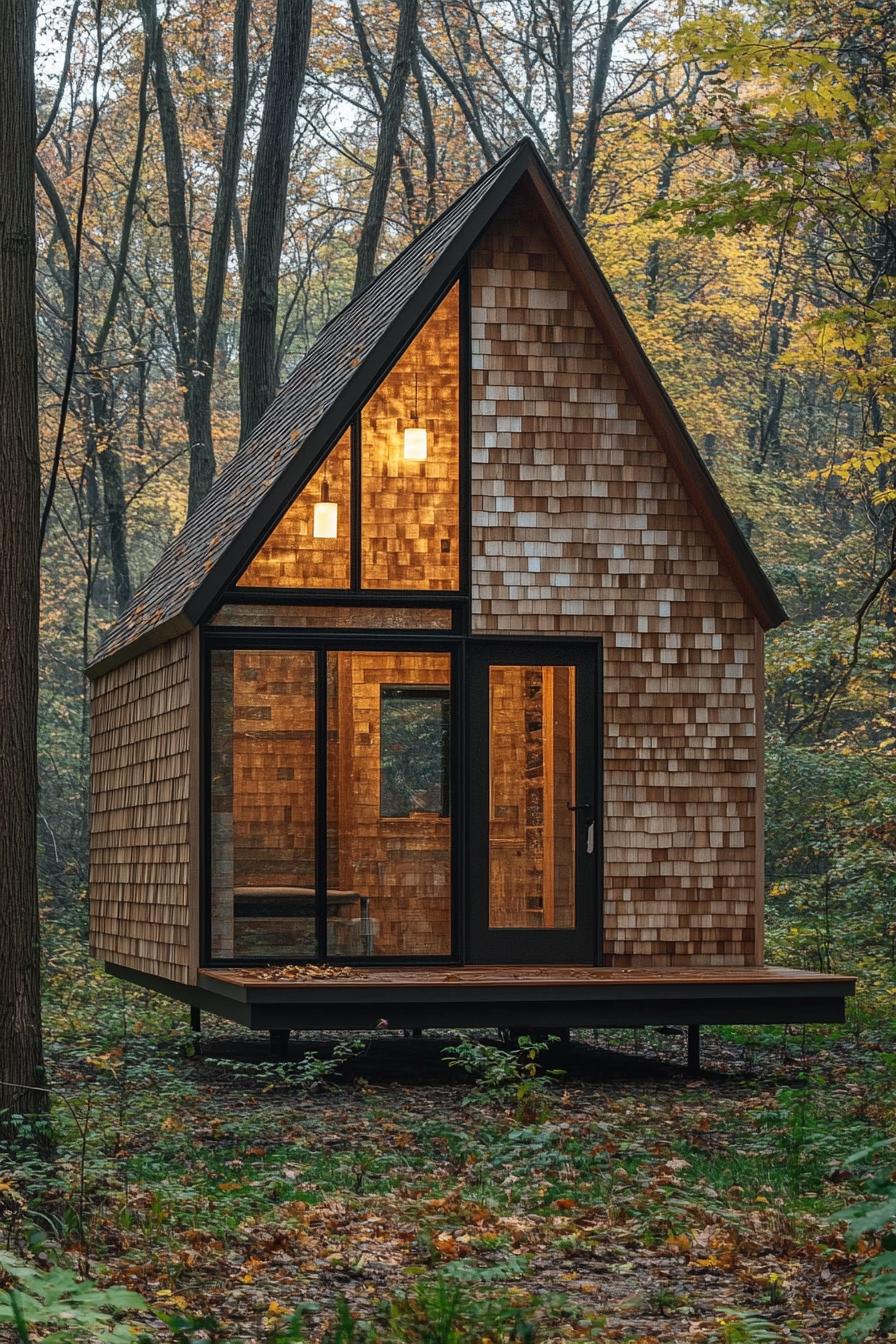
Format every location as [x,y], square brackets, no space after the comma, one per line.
[272,615]
[387,890]
[408,461]
[262,804]
[311,545]
[410,454]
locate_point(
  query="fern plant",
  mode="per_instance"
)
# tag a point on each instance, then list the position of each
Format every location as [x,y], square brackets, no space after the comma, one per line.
[875,1217]
[55,1306]
[745,1327]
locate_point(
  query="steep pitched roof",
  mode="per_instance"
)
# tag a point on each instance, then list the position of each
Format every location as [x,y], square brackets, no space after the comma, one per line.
[350,357]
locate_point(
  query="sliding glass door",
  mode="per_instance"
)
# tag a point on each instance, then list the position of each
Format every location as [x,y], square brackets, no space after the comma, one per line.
[330,803]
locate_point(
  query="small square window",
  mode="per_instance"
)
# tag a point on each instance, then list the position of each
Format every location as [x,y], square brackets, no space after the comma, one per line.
[414,734]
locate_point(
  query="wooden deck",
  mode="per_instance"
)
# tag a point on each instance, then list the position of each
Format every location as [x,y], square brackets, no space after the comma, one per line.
[546,996]
[270,998]
[398,978]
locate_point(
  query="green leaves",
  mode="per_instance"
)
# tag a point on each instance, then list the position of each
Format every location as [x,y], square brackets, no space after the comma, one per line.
[70,1308]
[508,1073]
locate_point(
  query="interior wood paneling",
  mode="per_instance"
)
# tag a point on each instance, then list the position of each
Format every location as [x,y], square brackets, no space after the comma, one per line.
[292,557]
[410,510]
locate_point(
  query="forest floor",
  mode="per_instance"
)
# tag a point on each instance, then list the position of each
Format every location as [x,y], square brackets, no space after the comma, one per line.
[390,1196]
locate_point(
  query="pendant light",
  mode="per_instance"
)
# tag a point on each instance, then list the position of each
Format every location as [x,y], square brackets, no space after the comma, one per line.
[415,445]
[326,515]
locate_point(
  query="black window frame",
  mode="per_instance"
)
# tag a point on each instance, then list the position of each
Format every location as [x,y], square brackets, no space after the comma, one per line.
[217,638]
[351,422]
[468,726]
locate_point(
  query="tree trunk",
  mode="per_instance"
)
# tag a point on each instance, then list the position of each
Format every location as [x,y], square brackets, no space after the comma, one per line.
[652,269]
[369,64]
[588,148]
[563,65]
[196,339]
[405,45]
[21,1056]
[105,437]
[196,406]
[225,206]
[267,212]
[430,150]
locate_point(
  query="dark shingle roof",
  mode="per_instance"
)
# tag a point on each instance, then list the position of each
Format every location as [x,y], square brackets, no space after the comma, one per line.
[352,354]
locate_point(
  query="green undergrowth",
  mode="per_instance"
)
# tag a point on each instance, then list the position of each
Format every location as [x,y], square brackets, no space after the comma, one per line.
[502,1194]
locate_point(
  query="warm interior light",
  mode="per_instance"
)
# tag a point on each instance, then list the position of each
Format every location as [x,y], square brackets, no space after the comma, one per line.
[415,445]
[326,515]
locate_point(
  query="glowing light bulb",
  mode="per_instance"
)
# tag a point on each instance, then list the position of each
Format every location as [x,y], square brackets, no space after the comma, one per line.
[415,445]
[326,516]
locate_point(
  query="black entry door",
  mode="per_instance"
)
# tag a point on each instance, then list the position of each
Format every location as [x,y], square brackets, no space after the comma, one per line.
[533,888]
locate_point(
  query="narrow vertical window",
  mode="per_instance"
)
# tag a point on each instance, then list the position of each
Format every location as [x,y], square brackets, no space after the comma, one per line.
[410,455]
[531,824]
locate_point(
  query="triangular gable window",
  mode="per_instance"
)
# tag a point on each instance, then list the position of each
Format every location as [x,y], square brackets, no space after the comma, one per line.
[408,458]
[311,545]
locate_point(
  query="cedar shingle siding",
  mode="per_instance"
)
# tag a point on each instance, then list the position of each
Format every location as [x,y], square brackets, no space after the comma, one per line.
[140,813]
[581,527]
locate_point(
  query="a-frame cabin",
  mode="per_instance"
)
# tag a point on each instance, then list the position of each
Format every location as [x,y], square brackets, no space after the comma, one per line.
[455,678]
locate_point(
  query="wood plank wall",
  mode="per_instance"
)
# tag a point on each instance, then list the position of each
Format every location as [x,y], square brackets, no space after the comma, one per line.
[141,895]
[581,526]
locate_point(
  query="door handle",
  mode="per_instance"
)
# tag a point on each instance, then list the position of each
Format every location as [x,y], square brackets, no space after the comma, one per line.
[578,807]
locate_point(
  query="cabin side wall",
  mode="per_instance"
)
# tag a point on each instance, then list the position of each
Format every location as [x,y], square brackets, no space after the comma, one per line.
[142,872]
[580,526]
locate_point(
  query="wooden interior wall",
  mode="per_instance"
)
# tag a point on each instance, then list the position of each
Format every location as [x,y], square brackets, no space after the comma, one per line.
[263,731]
[403,864]
[532,776]
[269,614]
[292,557]
[580,526]
[140,864]
[409,510]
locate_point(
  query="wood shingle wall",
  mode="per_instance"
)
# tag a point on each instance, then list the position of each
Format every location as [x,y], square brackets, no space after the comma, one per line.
[581,526]
[140,871]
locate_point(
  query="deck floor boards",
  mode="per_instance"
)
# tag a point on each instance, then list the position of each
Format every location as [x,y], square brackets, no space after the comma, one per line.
[520,977]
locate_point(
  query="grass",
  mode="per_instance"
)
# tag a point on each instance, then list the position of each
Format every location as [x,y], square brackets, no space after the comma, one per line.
[637,1206]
